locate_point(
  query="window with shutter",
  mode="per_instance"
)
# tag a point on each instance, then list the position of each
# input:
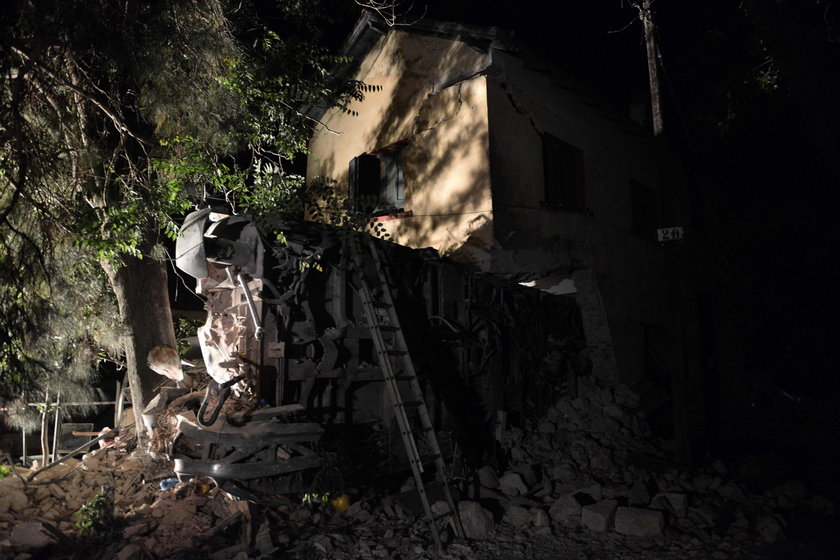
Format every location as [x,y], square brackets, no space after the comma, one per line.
[376,179]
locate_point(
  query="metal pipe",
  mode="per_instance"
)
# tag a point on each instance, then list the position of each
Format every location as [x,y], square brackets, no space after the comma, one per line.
[108,434]
[54,454]
[45,430]
[90,403]
[120,404]
[252,307]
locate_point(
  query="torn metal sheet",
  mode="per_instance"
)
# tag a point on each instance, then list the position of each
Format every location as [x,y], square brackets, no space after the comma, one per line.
[286,327]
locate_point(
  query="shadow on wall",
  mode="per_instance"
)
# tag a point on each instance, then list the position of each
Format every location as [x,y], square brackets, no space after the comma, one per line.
[439,106]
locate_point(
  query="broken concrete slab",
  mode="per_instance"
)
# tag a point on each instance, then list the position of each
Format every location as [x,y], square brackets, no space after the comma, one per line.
[137,529]
[769,528]
[598,516]
[789,493]
[517,516]
[638,522]
[566,510]
[539,518]
[13,499]
[529,477]
[511,484]
[131,552]
[487,477]
[675,503]
[477,521]
[31,534]
[563,473]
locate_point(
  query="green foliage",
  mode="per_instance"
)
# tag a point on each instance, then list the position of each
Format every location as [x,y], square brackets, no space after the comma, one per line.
[277,72]
[76,326]
[184,329]
[95,520]
[5,471]
[272,189]
[115,119]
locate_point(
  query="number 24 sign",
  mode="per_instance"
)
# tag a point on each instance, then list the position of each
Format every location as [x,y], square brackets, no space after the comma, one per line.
[669,234]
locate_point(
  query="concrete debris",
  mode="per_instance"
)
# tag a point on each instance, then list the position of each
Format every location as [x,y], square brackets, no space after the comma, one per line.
[769,528]
[586,481]
[13,499]
[487,477]
[566,510]
[539,518]
[639,522]
[598,516]
[511,483]
[674,503]
[477,521]
[132,551]
[517,516]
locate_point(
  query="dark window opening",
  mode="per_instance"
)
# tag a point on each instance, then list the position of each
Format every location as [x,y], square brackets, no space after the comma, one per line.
[376,180]
[645,208]
[563,174]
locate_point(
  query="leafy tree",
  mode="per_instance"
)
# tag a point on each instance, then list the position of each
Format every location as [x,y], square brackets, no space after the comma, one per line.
[117,116]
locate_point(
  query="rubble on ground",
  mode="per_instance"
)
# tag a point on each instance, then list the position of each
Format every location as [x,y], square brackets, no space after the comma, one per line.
[586,480]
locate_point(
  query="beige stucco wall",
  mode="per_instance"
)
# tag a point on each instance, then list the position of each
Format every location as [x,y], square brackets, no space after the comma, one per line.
[428,93]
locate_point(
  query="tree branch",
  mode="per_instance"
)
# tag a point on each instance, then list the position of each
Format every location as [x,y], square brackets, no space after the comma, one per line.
[118,122]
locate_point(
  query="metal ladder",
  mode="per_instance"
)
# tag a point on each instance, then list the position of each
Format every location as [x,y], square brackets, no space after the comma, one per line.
[399,351]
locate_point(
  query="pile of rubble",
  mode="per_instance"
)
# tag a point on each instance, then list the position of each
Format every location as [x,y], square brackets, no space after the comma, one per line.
[586,481]
[590,465]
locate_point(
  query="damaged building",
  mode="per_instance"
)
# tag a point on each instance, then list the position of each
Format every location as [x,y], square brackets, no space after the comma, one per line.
[479,148]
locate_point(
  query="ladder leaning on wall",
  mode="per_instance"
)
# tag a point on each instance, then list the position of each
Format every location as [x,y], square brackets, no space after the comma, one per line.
[382,318]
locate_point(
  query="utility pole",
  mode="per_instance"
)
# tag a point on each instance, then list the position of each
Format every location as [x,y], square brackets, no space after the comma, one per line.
[646,15]
[685,378]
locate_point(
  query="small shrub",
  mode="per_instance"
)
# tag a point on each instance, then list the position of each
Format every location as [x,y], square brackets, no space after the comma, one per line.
[95,519]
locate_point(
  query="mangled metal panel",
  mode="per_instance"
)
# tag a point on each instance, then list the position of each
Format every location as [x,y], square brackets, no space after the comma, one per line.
[285,327]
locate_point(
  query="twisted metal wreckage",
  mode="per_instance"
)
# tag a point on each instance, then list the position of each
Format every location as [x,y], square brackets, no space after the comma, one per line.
[358,349]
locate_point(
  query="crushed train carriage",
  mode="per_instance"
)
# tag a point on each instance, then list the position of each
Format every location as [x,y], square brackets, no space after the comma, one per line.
[320,330]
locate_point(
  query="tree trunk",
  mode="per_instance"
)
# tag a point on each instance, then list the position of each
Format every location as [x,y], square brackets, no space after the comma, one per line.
[143,298]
